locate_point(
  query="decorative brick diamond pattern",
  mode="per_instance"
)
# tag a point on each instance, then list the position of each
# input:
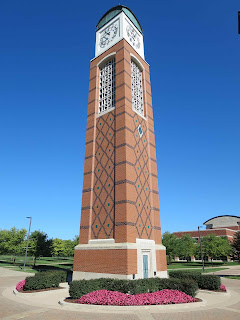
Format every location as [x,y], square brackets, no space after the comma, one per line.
[143,205]
[103,191]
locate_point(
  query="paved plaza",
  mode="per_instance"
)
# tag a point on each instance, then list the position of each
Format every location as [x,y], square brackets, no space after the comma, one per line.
[45,305]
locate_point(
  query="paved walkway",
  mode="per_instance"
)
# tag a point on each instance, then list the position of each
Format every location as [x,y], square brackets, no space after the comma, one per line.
[45,305]
[232,271]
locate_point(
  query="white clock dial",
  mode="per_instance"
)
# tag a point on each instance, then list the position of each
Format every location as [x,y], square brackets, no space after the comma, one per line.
[133,36]
[108,35]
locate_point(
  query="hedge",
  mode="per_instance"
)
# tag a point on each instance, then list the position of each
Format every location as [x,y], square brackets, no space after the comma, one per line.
[209,282]
[183,274]
[59,273]
[77,288]
[44,280]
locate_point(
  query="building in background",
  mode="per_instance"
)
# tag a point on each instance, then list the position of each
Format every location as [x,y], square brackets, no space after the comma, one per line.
[120,233]
[225,225]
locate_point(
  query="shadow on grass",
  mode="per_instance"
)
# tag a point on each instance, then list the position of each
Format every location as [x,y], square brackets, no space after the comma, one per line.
[6,263]
[42,267]
[68,269]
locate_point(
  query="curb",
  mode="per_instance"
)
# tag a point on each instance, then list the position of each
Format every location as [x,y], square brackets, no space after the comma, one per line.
[227,293]
[110,309]
[15,291]
[62,285]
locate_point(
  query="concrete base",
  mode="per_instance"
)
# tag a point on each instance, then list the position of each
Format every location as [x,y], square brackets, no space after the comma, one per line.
[95,250]
[78,275]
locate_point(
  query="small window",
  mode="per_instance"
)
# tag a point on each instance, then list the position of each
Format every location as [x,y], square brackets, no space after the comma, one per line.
[140,132]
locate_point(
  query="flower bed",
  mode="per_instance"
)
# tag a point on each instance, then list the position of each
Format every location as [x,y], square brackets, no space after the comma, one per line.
[78,288]
[20,285]
[115,298]
[223,288]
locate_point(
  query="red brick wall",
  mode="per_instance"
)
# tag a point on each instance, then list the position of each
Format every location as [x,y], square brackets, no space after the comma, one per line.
[218,232]
[129,207]
[161,260]
[116,261]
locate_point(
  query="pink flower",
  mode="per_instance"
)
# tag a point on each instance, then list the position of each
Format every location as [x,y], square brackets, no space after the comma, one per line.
[20,285]
[115,298]
[222,287]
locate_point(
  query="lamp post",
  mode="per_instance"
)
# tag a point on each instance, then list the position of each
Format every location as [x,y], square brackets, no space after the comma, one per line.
[27,241]
[201,248]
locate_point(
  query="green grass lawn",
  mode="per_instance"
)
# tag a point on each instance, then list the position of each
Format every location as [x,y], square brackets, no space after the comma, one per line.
[43,263]
[206,270]
[183,265]
[66,263]
[233,277]
[197,266]
[207,264]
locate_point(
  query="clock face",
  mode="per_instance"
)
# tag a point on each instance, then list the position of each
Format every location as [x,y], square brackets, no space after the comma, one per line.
[133,36]
[108,35]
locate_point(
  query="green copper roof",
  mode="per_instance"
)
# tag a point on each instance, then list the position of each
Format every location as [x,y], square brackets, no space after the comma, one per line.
[115,11]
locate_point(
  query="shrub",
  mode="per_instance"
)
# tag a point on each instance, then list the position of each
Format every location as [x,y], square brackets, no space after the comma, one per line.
[179,274]
[60,274]
[44,280]
[187,286]
[209,282]
[115,298]
[20,285]
[77,288]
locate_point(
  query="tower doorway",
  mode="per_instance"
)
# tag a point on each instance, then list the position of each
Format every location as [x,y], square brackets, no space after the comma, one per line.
[145,266]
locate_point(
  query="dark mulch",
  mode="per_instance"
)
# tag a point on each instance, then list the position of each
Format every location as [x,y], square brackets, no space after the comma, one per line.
[40,290]
[70,300]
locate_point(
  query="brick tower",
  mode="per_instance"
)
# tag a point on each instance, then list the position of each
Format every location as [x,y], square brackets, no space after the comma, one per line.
[120,234]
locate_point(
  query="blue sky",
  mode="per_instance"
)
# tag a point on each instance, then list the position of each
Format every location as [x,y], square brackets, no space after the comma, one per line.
[193,50]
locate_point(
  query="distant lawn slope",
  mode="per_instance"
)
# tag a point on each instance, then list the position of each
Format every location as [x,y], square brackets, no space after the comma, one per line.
[43,263]
[206,270]
[66,263]
[207,264]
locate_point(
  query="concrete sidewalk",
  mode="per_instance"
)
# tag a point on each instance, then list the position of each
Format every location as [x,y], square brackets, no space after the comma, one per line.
[44,305]
[5,272]
[232,271]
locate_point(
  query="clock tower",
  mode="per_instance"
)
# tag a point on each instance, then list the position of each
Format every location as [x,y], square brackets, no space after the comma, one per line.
[120,233]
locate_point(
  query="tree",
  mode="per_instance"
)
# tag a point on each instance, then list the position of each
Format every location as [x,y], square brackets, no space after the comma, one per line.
[169,240]
[58,247]
[12,242]
[68,248]
[215,247]
[185,246]
[236,245]
[197,251]
[40,245]
[64,248]
[75,240]
[224,248]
